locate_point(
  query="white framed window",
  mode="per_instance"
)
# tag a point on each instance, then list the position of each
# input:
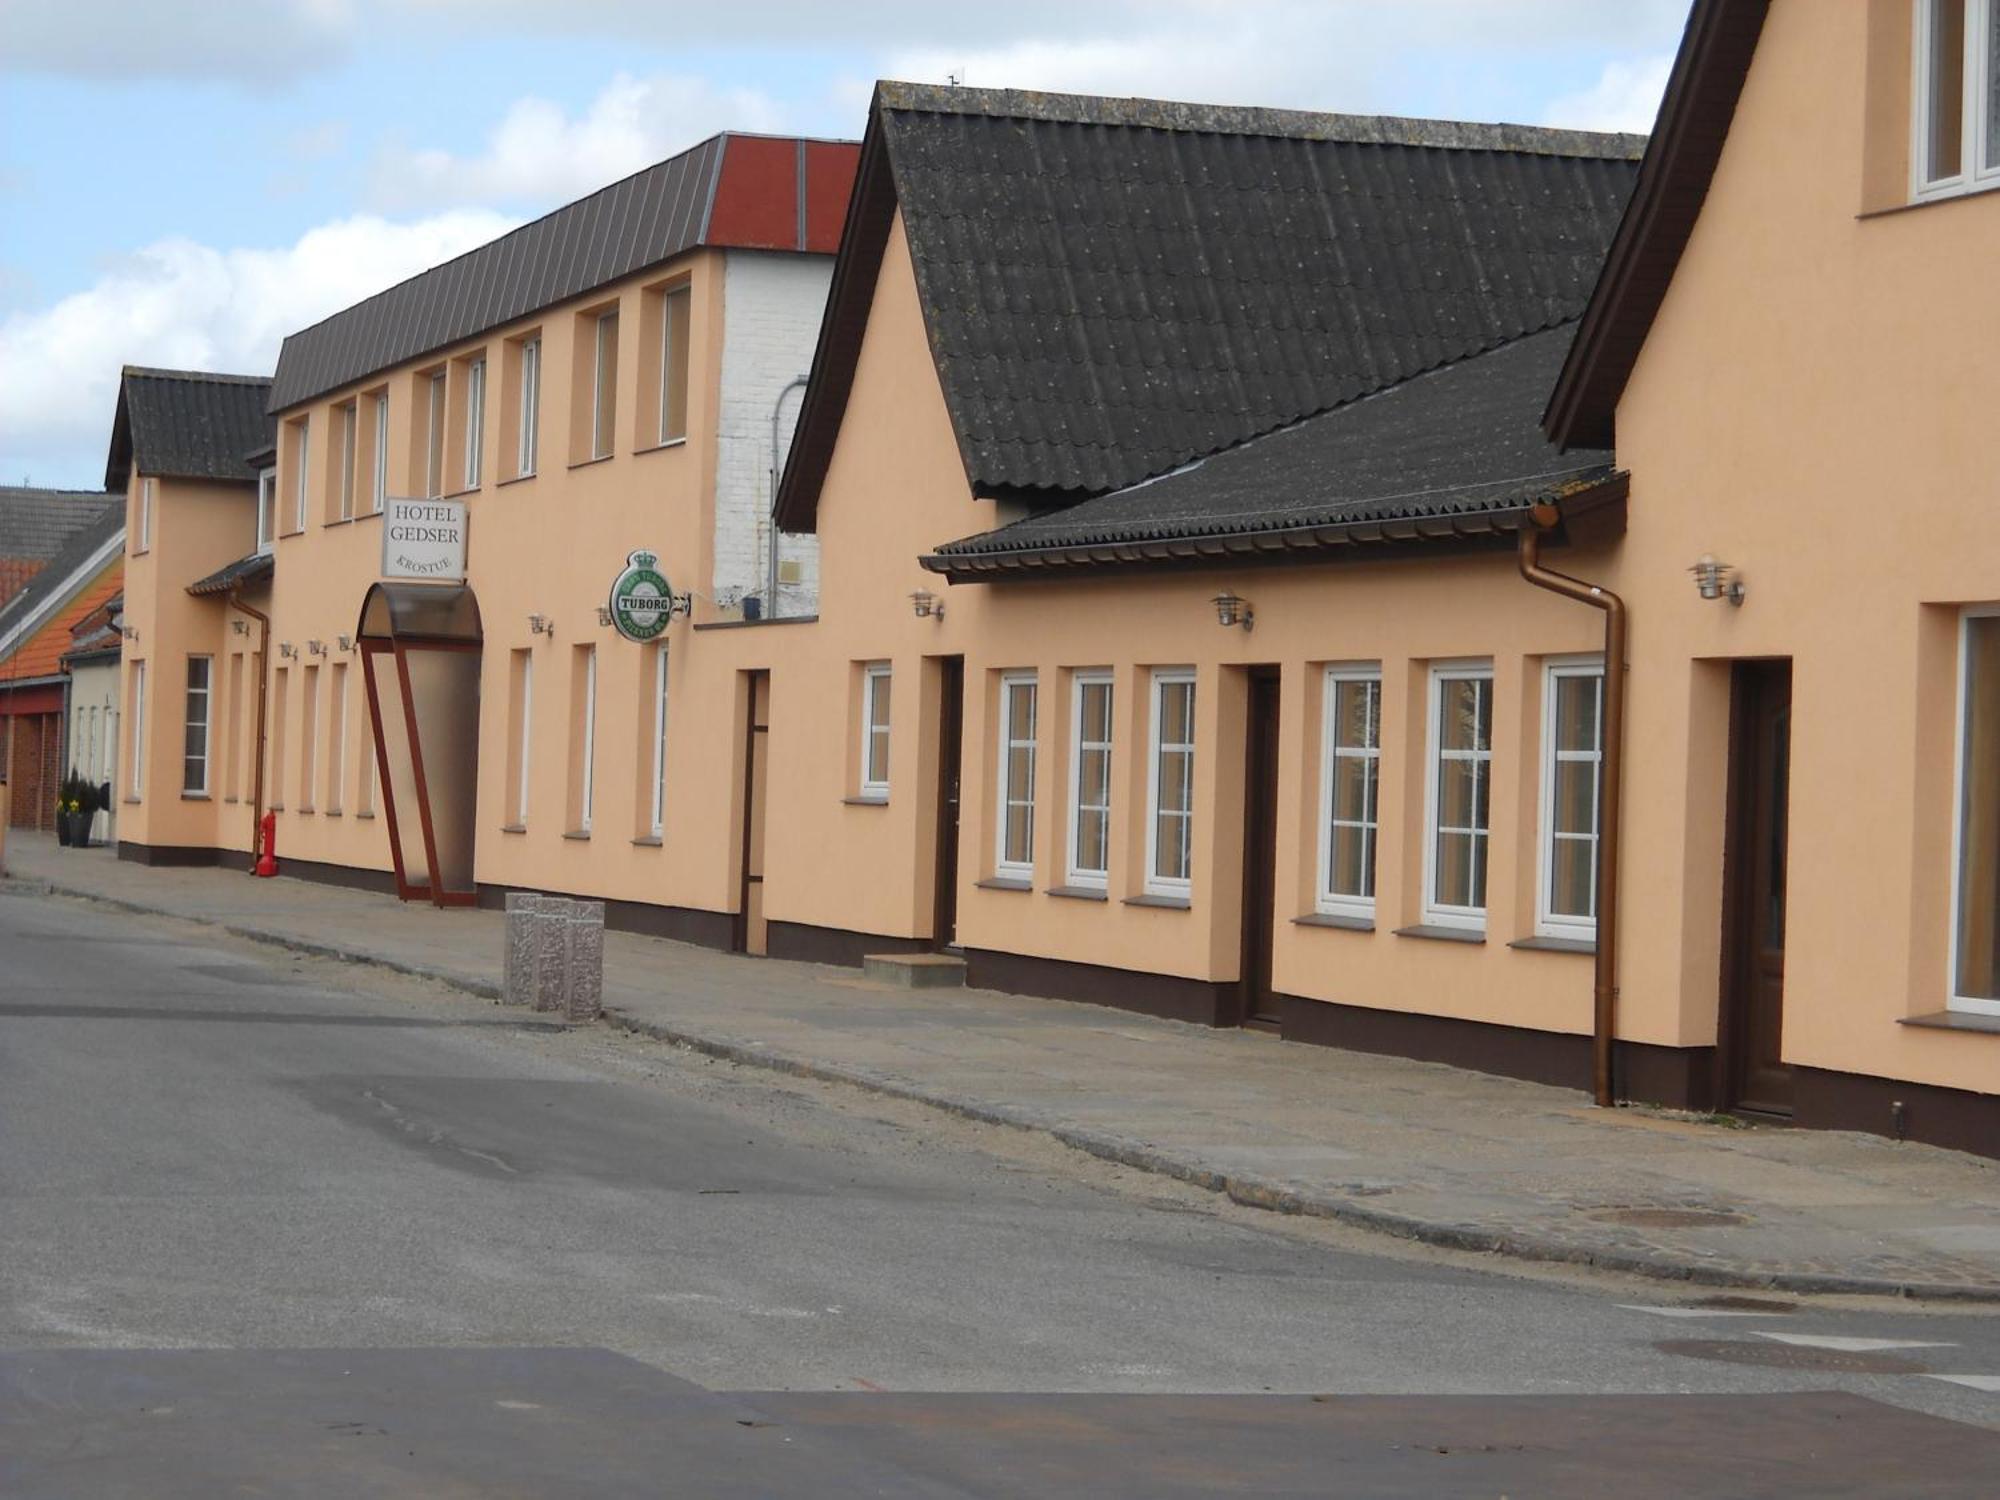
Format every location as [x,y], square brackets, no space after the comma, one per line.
[434,413]
[531,406]
[658,821]
[604,386]
[145,529]
[587,792]
[875,730]
[1955,145]
[527,737]
[1089,856]
[674,365]
[267,509]
[380,493]
[1014,844]
[475,419]
[138,721]
[1459,795]
[1350,788]
[1572,788]
[1975,925]
[336,737]
[194,749]
[350,437]
[1170,784]
[300,472]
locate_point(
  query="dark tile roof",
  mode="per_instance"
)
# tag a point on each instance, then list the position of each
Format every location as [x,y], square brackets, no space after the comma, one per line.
[743,191]
[106,525]
[1695,115]
[1114,287]
[34,523]
[1457,451]
[186,424]
[245,570]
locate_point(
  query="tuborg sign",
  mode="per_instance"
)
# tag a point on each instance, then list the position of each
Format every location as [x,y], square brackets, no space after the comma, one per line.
[423,539]
[642,601]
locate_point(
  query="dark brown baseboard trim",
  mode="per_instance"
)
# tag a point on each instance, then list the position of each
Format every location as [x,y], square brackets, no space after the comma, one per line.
[805,943]
[679,924]
[1955,1118]
[1678,1077]
[348,877]
[185,856]
[1205,1002]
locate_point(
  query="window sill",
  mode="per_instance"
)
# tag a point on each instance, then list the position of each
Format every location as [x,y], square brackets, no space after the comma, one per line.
[368,815]
[1950,195]
[501,484]
[339,521]
[230,801]
[333,812]
[1165,903]
[306,810]
[1442,934]
[679,442]
[1954,1020]
[1003,883]
[1080,892]
[602,458]
[866,801]
[129,801]
[196,797]
[753,624]
[513,827]
[461,494]
[578,833]
[1543,944]
[1335,919]
[649,841]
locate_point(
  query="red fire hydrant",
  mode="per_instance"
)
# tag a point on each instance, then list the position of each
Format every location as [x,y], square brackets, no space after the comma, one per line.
[267,845]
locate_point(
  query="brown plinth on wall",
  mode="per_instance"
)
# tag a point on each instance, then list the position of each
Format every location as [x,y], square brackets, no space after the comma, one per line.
[1204,1002]
[680,924]
[804,943]
[1955,1118]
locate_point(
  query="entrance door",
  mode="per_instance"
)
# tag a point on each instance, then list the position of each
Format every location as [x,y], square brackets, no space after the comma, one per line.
[1260,847]
[951,740]
[751,926]
[1755,1075]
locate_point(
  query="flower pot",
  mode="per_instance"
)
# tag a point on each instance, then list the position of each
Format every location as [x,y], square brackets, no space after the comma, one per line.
[62,828]
[79,829]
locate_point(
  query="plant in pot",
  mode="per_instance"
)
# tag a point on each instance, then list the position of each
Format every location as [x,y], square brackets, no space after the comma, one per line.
[76,805]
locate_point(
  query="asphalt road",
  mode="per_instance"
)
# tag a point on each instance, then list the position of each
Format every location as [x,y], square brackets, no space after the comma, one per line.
[269,1222]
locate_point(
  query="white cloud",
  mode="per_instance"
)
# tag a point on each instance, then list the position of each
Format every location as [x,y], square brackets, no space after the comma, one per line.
[253,42]
[185,305]
[1626,96]
[539,154]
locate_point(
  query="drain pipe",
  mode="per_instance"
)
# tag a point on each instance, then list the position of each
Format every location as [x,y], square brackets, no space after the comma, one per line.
[263,696]
[1605,1016]
[771,566]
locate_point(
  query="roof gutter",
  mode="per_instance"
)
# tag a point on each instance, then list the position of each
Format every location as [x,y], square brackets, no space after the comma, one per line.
[1604,1021]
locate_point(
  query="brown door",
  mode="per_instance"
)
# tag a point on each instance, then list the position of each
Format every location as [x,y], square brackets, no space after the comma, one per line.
[1260,847]
[1754,1074]
[951,737]
[751,927]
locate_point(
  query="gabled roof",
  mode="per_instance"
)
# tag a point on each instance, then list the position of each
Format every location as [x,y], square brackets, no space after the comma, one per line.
[34,525]
[745,192]
[1686,144]
[1456,452]
[1113,287]
[34,625]
[186,424]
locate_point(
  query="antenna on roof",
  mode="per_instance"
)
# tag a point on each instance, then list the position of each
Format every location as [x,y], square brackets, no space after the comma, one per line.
[955,78]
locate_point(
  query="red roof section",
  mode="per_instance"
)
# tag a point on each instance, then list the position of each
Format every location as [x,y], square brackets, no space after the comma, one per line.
[782,193]
[41,654]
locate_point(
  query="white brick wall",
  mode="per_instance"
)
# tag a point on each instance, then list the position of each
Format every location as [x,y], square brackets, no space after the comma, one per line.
[771,313]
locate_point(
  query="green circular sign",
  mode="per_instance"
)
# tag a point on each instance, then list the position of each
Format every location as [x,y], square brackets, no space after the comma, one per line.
[642,601]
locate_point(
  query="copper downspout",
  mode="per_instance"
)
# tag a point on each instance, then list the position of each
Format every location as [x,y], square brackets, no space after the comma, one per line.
[1605,1020]
[263,693]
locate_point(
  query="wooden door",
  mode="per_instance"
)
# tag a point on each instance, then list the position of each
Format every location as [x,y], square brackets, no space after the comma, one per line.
[1260,847]
[751,926]
[951,739]
[1756,1077]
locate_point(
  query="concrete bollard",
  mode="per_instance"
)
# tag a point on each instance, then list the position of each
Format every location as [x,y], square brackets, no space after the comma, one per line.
[584,1000]
[551,922]
[518,988]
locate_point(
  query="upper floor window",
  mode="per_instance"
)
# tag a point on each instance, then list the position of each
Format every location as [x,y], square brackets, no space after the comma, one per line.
[475,419]
[267,508]
[434,415]
[674,365]
[301,466]
[530,414]
[350,441]
[144,530]
[380,494]
[1957,115]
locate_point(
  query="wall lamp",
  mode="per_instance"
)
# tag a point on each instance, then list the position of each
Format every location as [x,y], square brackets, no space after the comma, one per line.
[129,632]
[541,625]
[927,605]
[239,627]
[347,643]
[1231,609]
[287,649]
[1716,580]
[315,648]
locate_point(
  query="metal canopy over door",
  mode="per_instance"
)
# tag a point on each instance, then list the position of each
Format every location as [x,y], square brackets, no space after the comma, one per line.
[420,650]
[1755,1076]
[1260,847]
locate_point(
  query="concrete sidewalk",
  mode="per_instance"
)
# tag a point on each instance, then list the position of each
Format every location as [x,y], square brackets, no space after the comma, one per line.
[1418,1150]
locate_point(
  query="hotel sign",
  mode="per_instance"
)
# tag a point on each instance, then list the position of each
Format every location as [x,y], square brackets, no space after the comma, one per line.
[642,601]
[423,539]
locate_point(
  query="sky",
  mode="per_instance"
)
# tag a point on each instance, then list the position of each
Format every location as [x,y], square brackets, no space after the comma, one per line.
[183,182]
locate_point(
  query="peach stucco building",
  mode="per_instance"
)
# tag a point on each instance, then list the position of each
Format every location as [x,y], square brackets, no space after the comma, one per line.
[1196,568]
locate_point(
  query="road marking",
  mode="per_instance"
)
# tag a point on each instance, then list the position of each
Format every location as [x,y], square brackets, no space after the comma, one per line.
[1852,1346]
[1696,1312]
[1977,1382]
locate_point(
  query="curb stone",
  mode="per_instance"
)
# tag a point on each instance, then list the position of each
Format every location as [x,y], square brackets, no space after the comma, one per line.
[1246,1188]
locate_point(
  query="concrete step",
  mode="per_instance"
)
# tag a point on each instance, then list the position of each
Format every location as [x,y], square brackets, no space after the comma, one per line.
[915,971]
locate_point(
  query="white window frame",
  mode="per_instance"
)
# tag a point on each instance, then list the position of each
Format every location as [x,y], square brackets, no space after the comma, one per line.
[299,487]
[267,509]
[145,515]
[667,300]
[381,495]
[1073,873]
[336,738]
[350,438]
[658,821]
[1979,157]
[434,425]
[531,406]
[475,418]
[1161,678]
[1548,922]
[206,692]
[527,737]
[1440,913]
[597,428]
[1977,1005]
[1327,901]
[587,798]
[1013,742]
[873,675]
[138,730]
